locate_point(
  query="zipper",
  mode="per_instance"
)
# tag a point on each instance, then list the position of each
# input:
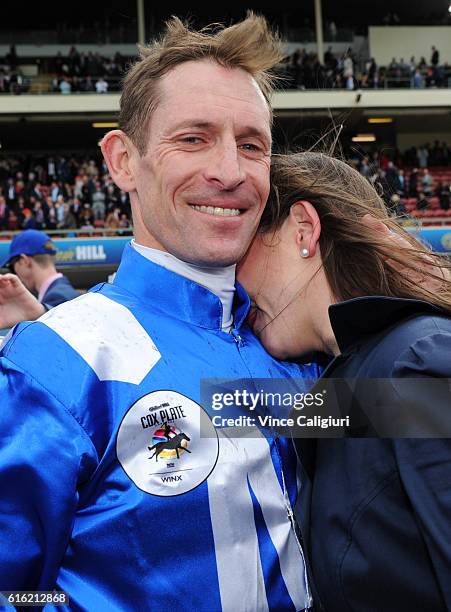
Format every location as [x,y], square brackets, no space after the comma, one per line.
[292,520]
[236,336]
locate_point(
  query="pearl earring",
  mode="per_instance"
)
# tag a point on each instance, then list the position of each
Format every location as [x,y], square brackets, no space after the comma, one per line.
[304,253]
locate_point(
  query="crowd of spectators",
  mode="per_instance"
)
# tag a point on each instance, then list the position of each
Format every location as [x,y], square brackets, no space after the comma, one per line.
[74,72]
[85,72]
[93,72]
[302,70]
[418,74]
[60,193]
[67,193]
[11,78]
[415,182]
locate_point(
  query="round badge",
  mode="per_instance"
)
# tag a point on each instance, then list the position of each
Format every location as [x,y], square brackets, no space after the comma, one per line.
[159,444]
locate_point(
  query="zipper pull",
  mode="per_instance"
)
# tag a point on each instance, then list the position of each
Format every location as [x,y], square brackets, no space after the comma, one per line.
[236,336]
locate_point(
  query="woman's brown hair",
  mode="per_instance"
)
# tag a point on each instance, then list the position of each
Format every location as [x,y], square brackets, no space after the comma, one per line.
[358,260]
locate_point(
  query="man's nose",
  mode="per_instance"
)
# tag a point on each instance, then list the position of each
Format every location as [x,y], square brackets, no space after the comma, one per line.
[225,166]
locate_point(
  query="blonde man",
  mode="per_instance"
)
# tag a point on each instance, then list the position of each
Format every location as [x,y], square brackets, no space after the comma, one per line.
[202,522]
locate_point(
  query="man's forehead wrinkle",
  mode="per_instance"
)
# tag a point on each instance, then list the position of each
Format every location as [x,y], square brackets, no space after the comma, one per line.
[221,78]
[216,99]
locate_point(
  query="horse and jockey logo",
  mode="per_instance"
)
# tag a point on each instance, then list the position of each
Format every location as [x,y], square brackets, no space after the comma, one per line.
[168,441]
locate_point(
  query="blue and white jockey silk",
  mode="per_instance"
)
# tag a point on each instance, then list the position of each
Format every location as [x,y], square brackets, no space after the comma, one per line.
[108,490]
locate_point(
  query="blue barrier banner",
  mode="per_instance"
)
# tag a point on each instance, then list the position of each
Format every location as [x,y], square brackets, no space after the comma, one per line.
[75,252]
[438,238]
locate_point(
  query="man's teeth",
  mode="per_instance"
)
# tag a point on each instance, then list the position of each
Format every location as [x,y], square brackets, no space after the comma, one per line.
[216,210]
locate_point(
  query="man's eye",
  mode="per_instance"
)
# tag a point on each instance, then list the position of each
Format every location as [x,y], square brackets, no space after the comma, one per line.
[191,139]
[251,147]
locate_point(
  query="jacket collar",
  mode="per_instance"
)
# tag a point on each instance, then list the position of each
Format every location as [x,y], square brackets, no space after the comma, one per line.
[355,320]
[176,295]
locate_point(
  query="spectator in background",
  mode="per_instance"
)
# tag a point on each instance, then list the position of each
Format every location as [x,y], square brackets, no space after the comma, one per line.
[396,205]
[422,201]
[51,216]
[365,167]
[4,210]
[332,31]
[86,218]
[13,221]
[101,86]
[348,70]
[418,81]
[59,207]
[391,177]
[11,58]
[111,199]
[98,202]
[113,219]
[443,193]
[4,81]
[124,221]
[91,169]
[69,220]
[54,191]
[29,222]
[413,183]
[10,190]
[32,258]
[426,182]
[435,57]
[124,202]
[423,156]
[393,65]
[402,183]
[65,87]
[76,207]
[87,85]
[373,74]
[51,168]
[38,213]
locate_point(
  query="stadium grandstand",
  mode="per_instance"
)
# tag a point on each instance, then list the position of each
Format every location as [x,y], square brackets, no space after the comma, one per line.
[381,80]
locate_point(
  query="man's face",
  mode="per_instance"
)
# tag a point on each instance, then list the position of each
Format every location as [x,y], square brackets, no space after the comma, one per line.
[203,182]
[23,270]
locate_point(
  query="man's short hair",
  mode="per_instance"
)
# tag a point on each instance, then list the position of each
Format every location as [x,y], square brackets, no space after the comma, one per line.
[249,45]
[44,261]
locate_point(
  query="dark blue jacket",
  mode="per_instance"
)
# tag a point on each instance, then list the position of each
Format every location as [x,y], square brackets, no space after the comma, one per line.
[378,525]
[59,291]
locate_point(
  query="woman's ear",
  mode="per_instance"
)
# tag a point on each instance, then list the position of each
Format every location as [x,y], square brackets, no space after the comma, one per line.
[117,150]
[308,226]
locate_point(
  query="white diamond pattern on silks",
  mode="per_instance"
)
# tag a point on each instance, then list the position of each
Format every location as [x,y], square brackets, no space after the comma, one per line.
[106,335]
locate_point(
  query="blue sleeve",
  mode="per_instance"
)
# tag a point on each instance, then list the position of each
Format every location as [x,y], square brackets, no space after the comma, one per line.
[425,464]
[45,455]
[425,469]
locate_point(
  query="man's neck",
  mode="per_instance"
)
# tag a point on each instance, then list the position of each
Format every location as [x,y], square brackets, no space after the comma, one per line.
[43,279]
[220,281]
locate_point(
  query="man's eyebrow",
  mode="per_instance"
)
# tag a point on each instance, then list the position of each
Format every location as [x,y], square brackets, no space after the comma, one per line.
[255,132]
[193,123]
